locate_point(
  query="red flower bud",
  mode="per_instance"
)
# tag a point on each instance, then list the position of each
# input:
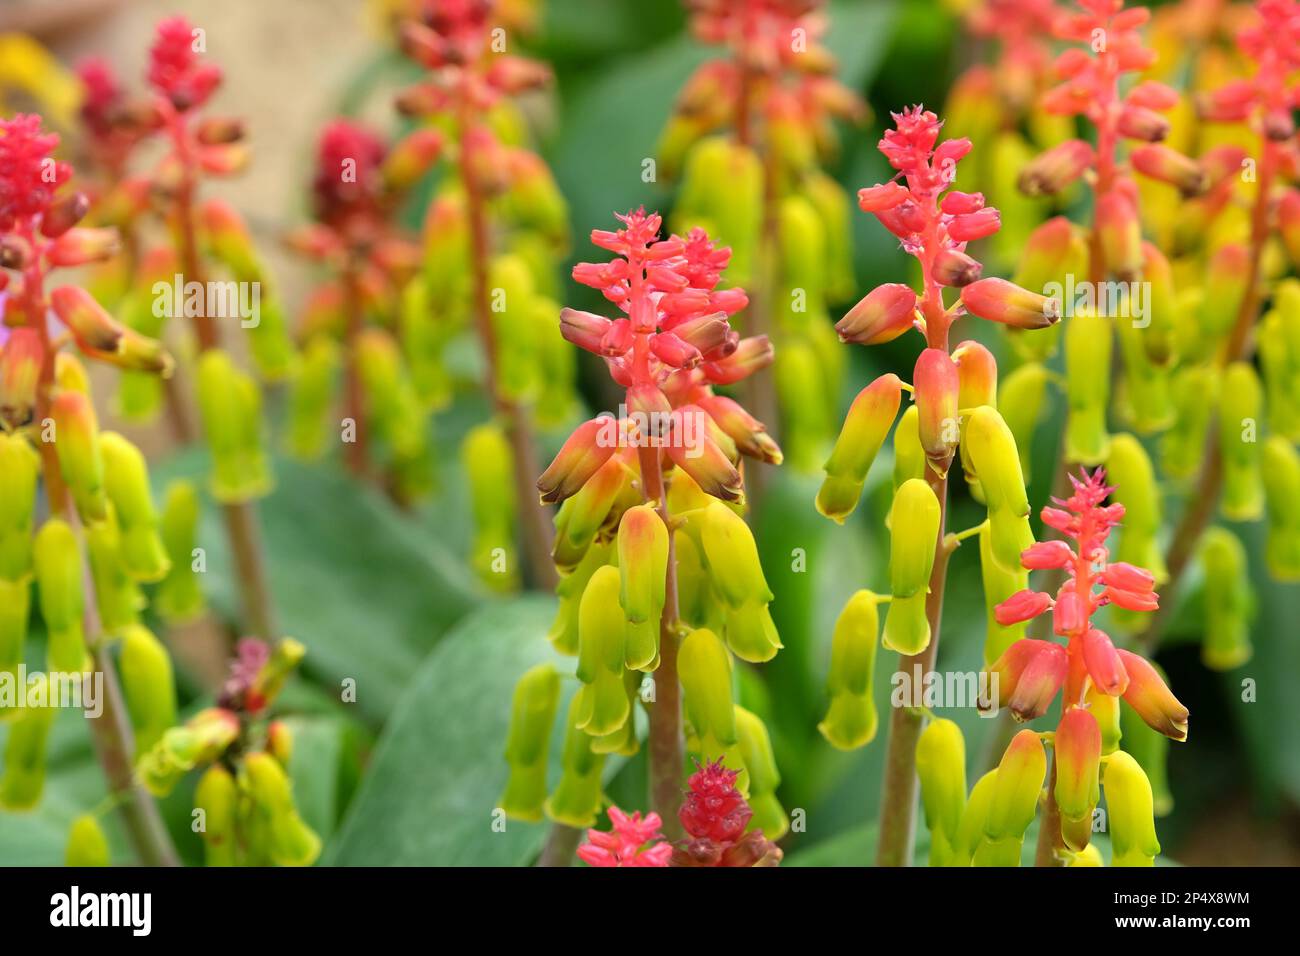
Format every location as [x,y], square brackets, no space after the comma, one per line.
[1133,600]
[584,329]
[1047,554]
[936,385]
[589,447]
[1001,301]
[1022,606]
[882,197]
[1138,122]
[64,214]
[975,225]
[1055,169]
[1070,615]
[20,371]
[1170,166]
[958,203]
[1103,663]
[1121,233]
[79,247]
[956,269]
[1153,95]
[1029,674]
[752,355]
[882,315]
[88,320]
[671,350]
[1128,576]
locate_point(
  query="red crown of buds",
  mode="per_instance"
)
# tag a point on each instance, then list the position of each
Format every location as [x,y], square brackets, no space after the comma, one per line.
[715,815]
[176,69]
[347,147]
[29,175]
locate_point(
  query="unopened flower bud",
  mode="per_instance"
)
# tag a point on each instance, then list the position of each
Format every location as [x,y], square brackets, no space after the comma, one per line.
[21,358]
[992,450]
[642,567]
[1029,674]
[1014,800]
[410,158]
[148,687]
[1151,750]
[126,480]
[693,449]
[87,845]
[1228,600]
[1240,411]
[86,318]
[23,779]
[937,386]
[955,269]
[941,766]
[1131,812]
[1087,372]
[532,715]
[998,300]
[1120,233]
[1167,165]
[601,706]
[19,467]
[851,721]
[1055,169]
[179,597]
[755,745]
[577,797]
[705,670]
[217,796]
[865,427]
[231,404]
[913,536]
[1078,764]
[80,461]
[882,315]
[57,561]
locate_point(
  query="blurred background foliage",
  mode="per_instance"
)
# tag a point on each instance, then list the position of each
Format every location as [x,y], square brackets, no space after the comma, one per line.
[410,773]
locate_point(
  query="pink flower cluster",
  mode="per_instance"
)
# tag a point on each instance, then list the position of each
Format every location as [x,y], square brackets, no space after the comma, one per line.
[175,68]
[29,175]
[633,841]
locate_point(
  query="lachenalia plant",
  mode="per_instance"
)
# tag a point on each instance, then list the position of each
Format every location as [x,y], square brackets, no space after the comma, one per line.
[661,590]
[494,232]
[352,321]
[749,132]
[1094,680]
[954,410]
[99,541]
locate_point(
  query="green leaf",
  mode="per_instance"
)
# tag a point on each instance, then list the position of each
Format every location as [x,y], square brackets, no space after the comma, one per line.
[437,772]
[353,578]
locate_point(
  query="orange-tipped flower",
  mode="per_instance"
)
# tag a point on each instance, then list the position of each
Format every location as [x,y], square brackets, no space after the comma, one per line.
[692,449]
[1001,301]
[1170,166]
[1055,169]
[1152,699]
[1103,663]
[1121,233]
[885,313]
[20,372]
[587,449]
[1029,674]
[88,320]
[749,434]
[410,158]
[79,247]
[1078,764]
[867,424]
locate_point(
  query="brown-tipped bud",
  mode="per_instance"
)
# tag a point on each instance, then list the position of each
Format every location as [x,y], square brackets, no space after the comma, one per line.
[1230,103]
[15,253]
[64,214]
[1001,301]
[1029,673]
[885,313]
[711,334]
[79,247]
[584,329]
[88,320]
[1151,697]
[587,449]
[749,434]
[955,269]
[20,372]
[692,448]
[1055,169]
[219,130]
[1170,166]
[1138,122]
[516,74]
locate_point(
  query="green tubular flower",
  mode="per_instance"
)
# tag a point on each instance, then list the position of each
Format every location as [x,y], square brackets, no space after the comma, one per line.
[970,830]
[1150,749]
[23,779]
[977,373]
[563,634]
[601,706]
[1144,390]
[1129,469]
[591,510]
[487,459]
[19,467]
[1240,408]
[1182,449]
[1087,374]
[57,557]
[704,667]
[291,841]
[179,598]
[1225,287]
[15,609]
[126,479]
[993,452]
[576,799]
[311,397]
[1106,710]
[217,796]
[1132,824]
[117,598]
[269,342]
[865,427]
[80,461]
[87,845]
[1228,600]
[1054,250]
[737,576]
[914,530]
[808,421]
[512,294]
[642,568]
[1013,802]
[722,185]
[756,752]
[1160,337]
[1281,377]
[1281,471]
[424,336]
[200,740]
[528,741]
[851,720]
[624,740]
[803,254]
[148,687]
[941,765]
[999,585]
[909,456]
[231,407]
[834,208]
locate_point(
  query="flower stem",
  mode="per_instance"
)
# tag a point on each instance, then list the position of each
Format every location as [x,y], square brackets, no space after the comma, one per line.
[898,802]
[666,749]
[536,528]
[561,845]
[1050,844]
